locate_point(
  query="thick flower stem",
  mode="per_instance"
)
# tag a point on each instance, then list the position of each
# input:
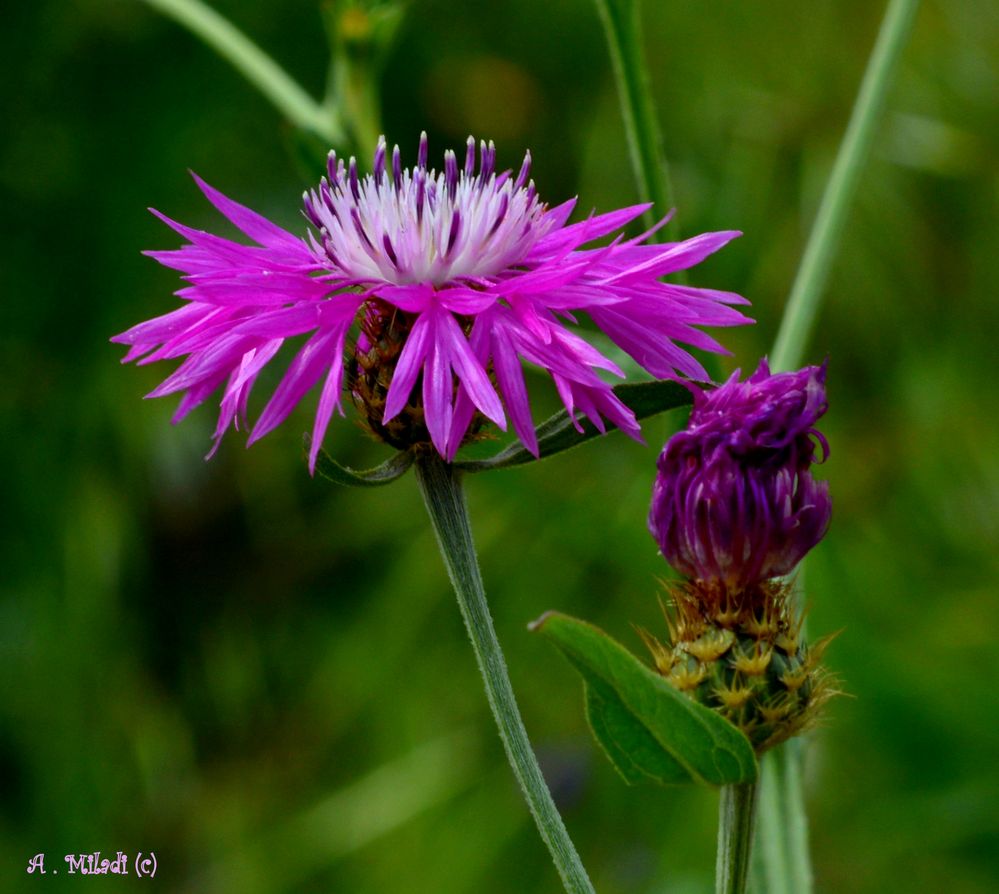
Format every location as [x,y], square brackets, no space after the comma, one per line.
[736,821]
[440,486]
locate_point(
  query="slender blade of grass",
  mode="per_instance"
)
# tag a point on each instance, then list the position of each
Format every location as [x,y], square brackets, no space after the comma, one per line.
[284,92]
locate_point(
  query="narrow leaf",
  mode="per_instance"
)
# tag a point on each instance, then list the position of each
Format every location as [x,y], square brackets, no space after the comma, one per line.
[557,433]
[386,473]
[648,729]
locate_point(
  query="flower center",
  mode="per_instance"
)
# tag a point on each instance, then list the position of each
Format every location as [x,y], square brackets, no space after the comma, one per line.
[420,226]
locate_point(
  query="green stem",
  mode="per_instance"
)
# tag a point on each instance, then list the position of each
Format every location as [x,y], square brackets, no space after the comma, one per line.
[780,861]
[440,486]
[813,273]
[783,863]
[255,65]
[358,95]
[645,141]
[358,40]
[769,863]
[736,820]
[788,762]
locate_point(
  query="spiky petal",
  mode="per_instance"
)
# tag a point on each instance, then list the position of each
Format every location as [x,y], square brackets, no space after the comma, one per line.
[466,265]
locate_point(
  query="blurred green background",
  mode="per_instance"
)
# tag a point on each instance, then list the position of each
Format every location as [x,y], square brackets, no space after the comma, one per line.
[265,680]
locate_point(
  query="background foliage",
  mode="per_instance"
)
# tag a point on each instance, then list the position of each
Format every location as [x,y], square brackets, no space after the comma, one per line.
[264,678]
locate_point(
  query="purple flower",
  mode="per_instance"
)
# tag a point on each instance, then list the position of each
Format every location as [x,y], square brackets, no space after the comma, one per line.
[734,500]
[466,269]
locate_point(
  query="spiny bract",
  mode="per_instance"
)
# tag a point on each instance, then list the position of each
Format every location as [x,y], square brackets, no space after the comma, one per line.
[744,657]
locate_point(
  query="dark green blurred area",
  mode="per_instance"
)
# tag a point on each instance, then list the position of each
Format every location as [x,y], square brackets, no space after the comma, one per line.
[265,680]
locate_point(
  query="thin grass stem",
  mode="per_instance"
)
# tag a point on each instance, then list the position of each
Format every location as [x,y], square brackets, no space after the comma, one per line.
[255,65]
[813,272]
[621,23]
[783,821]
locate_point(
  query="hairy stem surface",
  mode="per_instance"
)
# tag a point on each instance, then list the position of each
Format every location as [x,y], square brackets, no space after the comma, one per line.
[440,485]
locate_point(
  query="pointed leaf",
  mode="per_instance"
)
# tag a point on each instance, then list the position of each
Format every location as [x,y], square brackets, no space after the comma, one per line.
[386,473]
[631,748]
[557,433]
[649,729]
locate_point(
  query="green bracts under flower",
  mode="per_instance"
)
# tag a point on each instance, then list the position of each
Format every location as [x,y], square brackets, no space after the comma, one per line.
[744,656]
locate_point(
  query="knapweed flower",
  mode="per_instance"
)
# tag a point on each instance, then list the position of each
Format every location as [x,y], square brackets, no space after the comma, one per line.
[734,508]
[735,500]
[422,292]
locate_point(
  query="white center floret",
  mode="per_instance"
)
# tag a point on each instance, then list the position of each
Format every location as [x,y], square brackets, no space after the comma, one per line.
[420,226]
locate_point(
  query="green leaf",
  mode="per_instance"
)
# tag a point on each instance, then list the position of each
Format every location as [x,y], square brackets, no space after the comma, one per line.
[557,433]
[386,473]
[649,730]
[632,749]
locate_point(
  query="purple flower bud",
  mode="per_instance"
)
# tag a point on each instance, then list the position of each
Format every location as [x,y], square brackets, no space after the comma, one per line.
[734,500]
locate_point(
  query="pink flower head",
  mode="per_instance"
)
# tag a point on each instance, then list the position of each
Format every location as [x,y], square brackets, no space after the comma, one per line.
[735,501]
[475,271]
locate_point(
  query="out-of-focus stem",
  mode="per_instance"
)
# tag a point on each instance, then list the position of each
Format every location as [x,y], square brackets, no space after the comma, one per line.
[357,95]
[806,293]
[783,863]
[255,65]
[360,37]
[645,141]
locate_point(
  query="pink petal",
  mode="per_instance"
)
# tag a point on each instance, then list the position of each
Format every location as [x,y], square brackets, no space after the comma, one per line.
[652,351]
[237,392]
[329,399]
[510,376]
[679,256]
[309,364]
[283,323]
[464,409]
[564,388]
[437,388]
[414,298]
[197,394]
[469,302]
[255,225]
[215,362]
[473,377]
[587,230]
[160,328]
[584,352]
[557,216]
[407,368]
